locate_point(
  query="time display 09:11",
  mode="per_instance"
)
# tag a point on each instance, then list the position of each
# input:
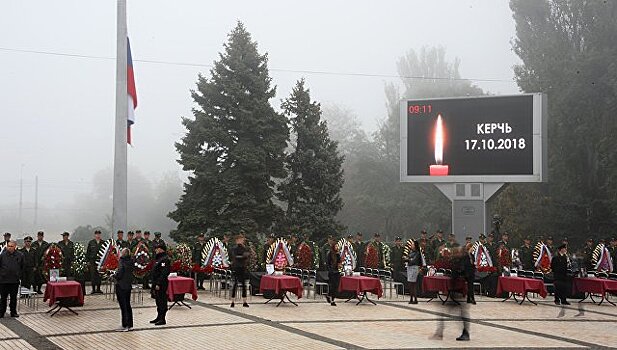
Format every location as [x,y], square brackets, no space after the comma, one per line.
[420,109]
[495,144]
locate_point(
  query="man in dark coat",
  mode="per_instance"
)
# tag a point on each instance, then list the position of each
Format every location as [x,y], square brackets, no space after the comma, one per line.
[358,247]
[29,254]
[197,251]
[92,252]
[559,266]
[525,254]
[160,273]
[397,257]
[120,242]
[68,253]
[41,247]
[588,254]
[11,269]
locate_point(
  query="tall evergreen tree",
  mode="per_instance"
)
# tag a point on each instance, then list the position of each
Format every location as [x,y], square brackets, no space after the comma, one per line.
[312,189]
[234,146]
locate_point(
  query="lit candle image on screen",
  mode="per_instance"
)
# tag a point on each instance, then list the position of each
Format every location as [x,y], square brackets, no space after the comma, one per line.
[438,169]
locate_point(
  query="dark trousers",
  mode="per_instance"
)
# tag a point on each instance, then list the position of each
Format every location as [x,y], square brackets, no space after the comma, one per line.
[39,278]
[124,299]
[334,278]
[27,279]
[561,290]
[200,277]
[452,309]
[160,296]
[470,295]
[8,289]
[239,277]
[95,278]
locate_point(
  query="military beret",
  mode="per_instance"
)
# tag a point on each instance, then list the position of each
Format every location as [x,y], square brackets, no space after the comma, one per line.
[359,234]
[482,236]
[350,236]
[28,239]
[439,231]
[377,234]
[158,234]
[491,235]
[139,231]
[505,234]
[398,238]
[527,238]
[65,233]
[550,238]
[40,233]
[7,234]
[562,246]
[468,237]
[199,235]
[565,239]
[120,231]
[95,232]
[147,233]
[130,233]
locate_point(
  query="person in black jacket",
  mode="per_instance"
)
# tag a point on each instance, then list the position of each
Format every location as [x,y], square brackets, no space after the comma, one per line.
[11,269]
[124,284]
[414,261]
[469,272]
[559,265]
[333,263]
[30,255]
[239,255]
[160,273]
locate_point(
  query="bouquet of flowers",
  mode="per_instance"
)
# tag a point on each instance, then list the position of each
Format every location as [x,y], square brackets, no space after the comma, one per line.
[79,263]
[182,259]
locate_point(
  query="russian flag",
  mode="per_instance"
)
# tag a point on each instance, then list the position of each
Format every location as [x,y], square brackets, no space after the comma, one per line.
[132,92]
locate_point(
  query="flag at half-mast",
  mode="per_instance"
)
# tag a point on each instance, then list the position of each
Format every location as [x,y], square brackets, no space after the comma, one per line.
[131,91]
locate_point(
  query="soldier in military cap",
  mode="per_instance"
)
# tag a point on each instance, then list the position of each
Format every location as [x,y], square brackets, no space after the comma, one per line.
[525,254]
[452,243]
[491,246]
[437,242]
[358,247]
[158,240]
[7,239]
[120,242]
[29,254]
[130,240]
[94,246]
[198,248]
[378,245]
[350,238]
[588,254]
[549,244]
[41,246]
[482,238]
[148,242]
[138,236]
[269,241]
[68,253]
[396,254]
[505,237]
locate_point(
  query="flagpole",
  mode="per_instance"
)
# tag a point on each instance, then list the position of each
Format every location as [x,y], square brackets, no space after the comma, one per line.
[119,211]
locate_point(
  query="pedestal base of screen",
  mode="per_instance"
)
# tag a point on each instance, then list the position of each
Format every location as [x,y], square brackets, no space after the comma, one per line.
[469,212]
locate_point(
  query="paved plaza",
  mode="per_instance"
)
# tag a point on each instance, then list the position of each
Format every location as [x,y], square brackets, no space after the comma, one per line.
[391,324]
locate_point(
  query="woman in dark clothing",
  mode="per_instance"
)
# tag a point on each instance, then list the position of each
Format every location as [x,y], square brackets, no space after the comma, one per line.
[334,275]
[469,272]
[239,255]
[124,283]
[413,267]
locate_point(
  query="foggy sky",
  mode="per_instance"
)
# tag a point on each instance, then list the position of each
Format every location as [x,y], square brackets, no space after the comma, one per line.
[57,112]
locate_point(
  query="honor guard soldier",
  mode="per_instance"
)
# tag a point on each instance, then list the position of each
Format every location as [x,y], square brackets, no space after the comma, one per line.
[131,242]
[452,243]
[197,251]
[94,246]
[505,240]
[525,254]
[138,236]
[491,245]
[358,247]
[158,240]
[549,245]
[68,253]
[437,242]
[7,239]
[160,273]
[396,253]
[267,245]
[588,254]
[29,254]
[120,242]
[148,242]
[41,247]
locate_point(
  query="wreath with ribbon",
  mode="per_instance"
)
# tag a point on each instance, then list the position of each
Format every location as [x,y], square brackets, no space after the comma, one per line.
[482,258]
[304,257]
[107,262]
[347,253]
[182,259]
[52,259]
[371,256]
[214,255]
[279,255]
[542,257]
[142,261]
[601,259]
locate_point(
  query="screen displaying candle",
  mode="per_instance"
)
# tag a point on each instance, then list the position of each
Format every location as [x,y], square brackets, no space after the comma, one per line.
[482,136]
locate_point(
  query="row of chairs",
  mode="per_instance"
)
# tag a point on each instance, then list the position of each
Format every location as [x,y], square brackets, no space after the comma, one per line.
[387,280]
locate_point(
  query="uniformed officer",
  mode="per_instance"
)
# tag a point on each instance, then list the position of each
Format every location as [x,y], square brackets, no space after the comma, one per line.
[588,254]
[324,251]
[120,242]
[68,253]
[7,239]
[491,246]
[437,242]
[160,273]
[94,246]
[398,265]
[130,240]
[29,254]
[269,242]
[505,240]
[358,247]
[549,245]
[452,243]
[525,254]
[197,256]
[138,236]
[148,242]
[41,247]
[158,240]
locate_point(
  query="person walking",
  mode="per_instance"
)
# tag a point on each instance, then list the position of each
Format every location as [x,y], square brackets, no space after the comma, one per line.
[333,264]
[124,284]
[559,265]
[414,260]
[11,269]
[239,255]
[469,272]
[160,273]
